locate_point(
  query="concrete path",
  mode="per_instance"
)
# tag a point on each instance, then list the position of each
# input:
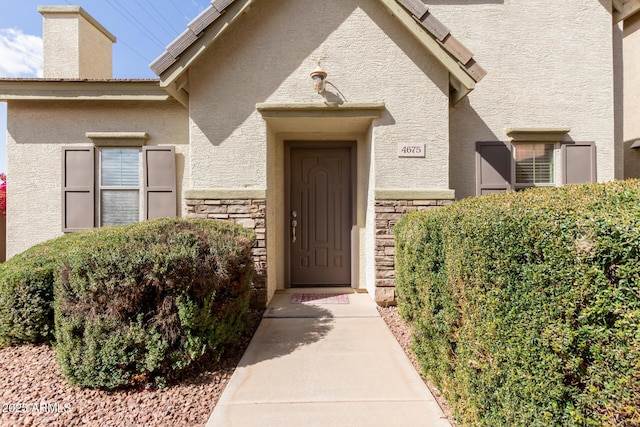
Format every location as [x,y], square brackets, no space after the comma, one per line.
[325,363]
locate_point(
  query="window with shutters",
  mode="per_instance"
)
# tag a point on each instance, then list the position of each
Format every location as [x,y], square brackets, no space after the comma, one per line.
[116,185]
[119,186]
[534,165]
[505,165]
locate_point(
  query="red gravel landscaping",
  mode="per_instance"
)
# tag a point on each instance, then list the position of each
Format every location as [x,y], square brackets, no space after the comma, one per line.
[33,393]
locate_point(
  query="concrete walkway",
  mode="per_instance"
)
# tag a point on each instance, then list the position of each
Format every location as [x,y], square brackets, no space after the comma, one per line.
[325,362]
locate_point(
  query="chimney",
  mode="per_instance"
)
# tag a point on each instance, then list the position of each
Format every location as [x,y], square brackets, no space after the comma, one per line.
[76,46]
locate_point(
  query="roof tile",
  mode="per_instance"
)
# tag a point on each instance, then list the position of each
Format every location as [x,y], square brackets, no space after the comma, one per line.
[181,44]
[435,27]
[453,46]
[221,5]
[457,49]
[162,63]
[202,21]
[475,70]
[415,7]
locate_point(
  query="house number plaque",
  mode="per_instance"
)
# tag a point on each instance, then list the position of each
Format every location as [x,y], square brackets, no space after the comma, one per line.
[411,150]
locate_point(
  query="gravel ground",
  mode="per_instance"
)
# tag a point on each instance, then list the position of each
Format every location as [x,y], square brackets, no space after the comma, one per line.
[33,392]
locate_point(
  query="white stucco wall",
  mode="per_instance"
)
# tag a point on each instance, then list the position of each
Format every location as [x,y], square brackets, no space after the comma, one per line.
[549,64]
[631,91]
[35,137]
[267,57]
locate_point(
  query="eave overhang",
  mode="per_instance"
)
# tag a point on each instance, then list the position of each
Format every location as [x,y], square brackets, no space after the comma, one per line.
[172,65]
[79,90]
[414,16]
[623,9]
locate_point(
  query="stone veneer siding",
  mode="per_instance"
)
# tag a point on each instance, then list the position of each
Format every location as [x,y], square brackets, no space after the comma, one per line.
[388,212]
[251,213]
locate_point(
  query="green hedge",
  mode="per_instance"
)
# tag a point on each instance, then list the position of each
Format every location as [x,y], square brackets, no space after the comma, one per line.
[527,305]
[138,304]
[26,291]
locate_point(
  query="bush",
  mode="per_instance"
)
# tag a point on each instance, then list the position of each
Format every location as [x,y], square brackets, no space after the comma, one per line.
[138,304]
[26,292]
[527,305]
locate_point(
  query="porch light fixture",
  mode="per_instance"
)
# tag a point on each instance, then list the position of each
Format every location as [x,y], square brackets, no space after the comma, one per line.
[319,77]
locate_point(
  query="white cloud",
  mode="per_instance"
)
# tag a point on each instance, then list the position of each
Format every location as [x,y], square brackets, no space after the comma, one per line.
[21,54]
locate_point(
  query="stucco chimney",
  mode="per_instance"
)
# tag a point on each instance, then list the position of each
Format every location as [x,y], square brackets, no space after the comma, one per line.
[76,46]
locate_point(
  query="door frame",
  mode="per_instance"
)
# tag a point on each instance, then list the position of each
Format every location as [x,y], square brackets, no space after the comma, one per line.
[353,171]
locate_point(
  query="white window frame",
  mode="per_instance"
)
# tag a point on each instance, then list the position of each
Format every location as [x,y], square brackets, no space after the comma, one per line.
[100,187]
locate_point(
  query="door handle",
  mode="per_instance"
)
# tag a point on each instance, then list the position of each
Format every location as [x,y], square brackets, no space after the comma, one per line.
[294,224]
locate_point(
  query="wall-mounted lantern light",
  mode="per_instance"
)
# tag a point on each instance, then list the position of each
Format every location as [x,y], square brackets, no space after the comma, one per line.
[319,77]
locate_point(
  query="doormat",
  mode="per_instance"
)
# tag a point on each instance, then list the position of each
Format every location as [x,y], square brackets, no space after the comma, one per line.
[317,299]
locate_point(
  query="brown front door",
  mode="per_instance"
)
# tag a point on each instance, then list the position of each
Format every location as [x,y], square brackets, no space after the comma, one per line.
[320,216]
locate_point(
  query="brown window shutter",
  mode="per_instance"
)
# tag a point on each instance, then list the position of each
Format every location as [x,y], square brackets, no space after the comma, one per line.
[78,199]
[578,162]
[493,167]
[159,182]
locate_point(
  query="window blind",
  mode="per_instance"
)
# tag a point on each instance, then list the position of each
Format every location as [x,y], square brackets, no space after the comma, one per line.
[534,164]
[120,168]
[120,186]
[119,207]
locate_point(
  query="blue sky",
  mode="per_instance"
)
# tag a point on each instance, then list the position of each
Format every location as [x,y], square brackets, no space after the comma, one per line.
[143,29]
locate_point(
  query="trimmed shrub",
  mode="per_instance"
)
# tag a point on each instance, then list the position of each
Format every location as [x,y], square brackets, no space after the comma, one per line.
[527,305]
[26,291]
[135,305]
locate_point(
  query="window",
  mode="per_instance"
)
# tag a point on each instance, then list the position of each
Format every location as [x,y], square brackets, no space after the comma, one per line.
[502,166]
[121,184]
[119,195]
[535,165]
